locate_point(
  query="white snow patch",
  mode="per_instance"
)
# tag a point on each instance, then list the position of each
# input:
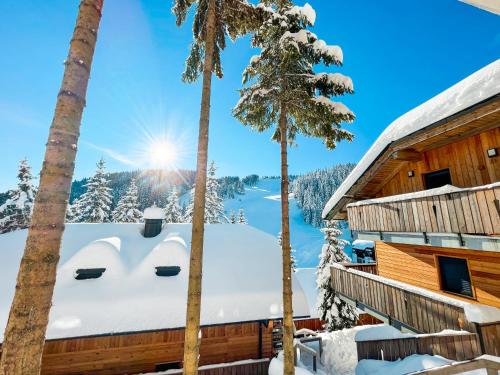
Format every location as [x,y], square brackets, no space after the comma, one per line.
[154,213]
[479,86]
[305,11]
[277,197]
[276,367]
[380,332]
[363,244]
[482,314]
[409,364]
[337,107]
[307,278]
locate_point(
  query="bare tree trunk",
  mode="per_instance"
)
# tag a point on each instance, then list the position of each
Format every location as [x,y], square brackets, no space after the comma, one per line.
[286,249]
[25,332]
[191,339]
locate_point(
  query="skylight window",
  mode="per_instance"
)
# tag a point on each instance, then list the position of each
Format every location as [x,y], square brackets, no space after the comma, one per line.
[89,273]
[167,271]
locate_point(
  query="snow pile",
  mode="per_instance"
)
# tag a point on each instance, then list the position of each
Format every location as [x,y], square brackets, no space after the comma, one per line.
[380,332]
[479,86]
[334,106]
[333,51]
[336,79]
[482,314]
[306,12]
[412,363]
[241,278]
[276,367]
[363,244]
[340,355]
[153,213]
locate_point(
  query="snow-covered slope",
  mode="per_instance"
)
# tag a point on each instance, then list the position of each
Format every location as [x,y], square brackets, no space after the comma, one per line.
[263,211]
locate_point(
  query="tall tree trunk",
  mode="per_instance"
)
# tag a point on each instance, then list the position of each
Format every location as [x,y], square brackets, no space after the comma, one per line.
[191,339]
[286,251]
[25,332]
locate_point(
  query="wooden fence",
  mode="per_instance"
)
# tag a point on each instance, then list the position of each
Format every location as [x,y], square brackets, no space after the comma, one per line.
[459,347]
[363,267]
[422,313]
[256,367]
[475,211]
[490,337]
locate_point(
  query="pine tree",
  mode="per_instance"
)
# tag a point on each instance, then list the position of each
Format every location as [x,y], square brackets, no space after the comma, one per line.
[336,313]
[95,203]
[16,212]
[72,212]
[127,209]
[214,205]
[232,217]
[24,337]
[281,90]
[173,212]
[241,217]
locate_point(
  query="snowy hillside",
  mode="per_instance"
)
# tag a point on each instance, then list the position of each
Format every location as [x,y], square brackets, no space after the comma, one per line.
[263,211]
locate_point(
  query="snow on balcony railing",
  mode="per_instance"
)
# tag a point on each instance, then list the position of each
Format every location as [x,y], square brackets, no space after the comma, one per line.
[447,209]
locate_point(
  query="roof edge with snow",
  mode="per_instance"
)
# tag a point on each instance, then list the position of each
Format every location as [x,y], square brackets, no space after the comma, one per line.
[473,90]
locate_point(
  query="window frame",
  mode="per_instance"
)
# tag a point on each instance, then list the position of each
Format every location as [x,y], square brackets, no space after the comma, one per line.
[440,276]
[424,177]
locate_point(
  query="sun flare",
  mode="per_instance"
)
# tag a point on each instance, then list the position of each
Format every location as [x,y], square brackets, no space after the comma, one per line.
[162,153]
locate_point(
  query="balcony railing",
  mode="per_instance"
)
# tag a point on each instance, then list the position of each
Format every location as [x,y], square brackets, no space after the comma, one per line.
[400,304]
[443,210]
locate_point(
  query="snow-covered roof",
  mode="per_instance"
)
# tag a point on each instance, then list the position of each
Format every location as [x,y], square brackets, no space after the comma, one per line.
[307,280]
[242,278]
[481,85]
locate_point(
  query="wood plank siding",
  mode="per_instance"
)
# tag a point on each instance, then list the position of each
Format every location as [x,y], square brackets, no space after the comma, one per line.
[141,352]
[473,212]
[260,367]
[418,265]
[466,159]
[459,347]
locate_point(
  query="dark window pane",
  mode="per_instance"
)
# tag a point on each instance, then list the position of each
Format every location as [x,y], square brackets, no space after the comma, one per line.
[437,179]
[455,276]
[167,270]
[89,273]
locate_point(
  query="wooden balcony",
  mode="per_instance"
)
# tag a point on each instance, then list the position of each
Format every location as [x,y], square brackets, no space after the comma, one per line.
[364,267]
[443,210]
[399,304]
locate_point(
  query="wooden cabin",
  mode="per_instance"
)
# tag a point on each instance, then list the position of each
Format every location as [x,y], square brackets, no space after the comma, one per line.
[427,194]
[120,297]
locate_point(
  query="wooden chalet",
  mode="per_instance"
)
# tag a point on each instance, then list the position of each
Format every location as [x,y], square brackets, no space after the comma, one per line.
[119,301]
[427,194]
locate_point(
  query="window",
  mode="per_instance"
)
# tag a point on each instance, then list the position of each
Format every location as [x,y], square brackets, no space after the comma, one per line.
[437,179]
[455,276]
[167,270]
[89,273]
[167,366]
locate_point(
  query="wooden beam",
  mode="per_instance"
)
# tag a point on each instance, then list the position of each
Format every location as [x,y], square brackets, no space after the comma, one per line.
[407,154]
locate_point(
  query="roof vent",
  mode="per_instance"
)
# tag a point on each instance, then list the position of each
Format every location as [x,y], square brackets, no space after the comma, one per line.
[89,273]
[167,271]
[153,218]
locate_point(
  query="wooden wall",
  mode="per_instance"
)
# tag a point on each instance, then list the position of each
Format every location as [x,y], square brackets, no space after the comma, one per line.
[140,352]
[467,160]
[417,265]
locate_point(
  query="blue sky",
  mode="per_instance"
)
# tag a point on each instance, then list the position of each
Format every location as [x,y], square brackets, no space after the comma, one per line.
[398,53]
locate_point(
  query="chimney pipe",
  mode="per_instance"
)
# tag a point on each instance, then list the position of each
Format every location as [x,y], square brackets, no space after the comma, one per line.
[153,221]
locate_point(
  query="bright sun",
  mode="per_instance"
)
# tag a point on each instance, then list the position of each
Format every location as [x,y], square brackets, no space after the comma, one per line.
[162,153]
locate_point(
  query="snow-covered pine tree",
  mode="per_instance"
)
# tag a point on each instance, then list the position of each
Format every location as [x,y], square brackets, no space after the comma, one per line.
[127,209]
[232,217]
[72,212]
[241,217]
[333,311]
[95,203]
[214,205]
[173,211]
[15,213]
[283,91]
